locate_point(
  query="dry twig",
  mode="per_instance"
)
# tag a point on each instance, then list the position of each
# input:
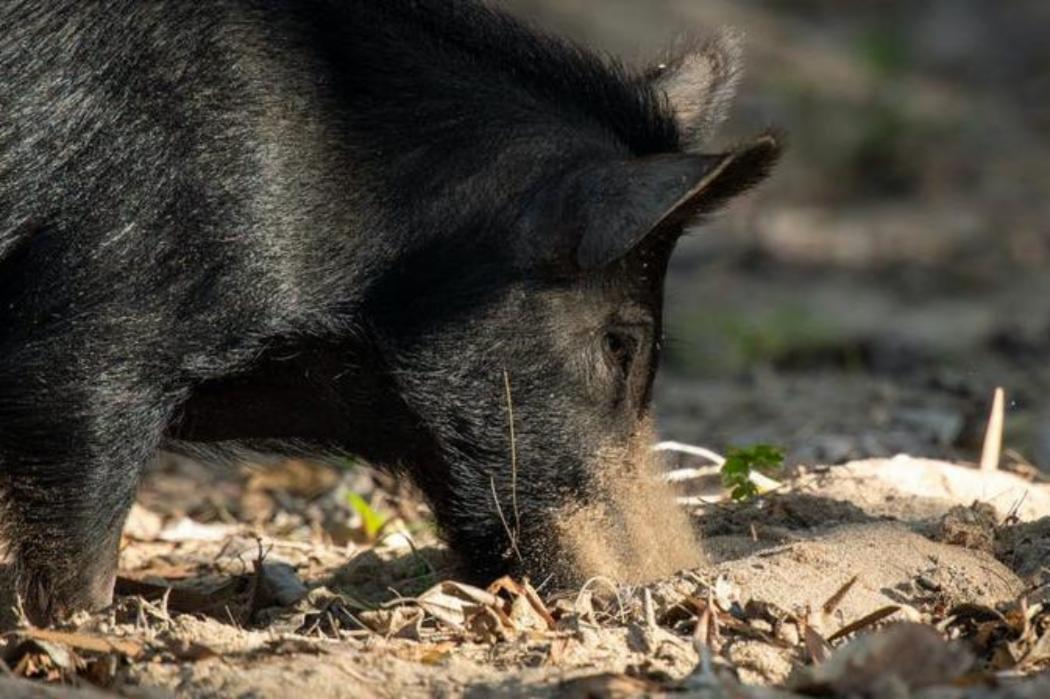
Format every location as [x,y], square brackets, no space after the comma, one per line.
[993,436]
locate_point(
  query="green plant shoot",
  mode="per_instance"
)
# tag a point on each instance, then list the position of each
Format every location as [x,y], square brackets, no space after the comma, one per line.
[741,463]
[371,520]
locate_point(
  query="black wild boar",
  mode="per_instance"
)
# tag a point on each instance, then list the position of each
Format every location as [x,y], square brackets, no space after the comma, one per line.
[361,227]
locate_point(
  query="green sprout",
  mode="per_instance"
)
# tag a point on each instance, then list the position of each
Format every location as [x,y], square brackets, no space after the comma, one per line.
[741,463]
[371,520]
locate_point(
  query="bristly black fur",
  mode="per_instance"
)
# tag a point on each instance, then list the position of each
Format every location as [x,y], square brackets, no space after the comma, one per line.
[316,223]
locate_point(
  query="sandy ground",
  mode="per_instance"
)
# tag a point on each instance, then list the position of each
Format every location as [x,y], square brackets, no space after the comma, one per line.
[830,584]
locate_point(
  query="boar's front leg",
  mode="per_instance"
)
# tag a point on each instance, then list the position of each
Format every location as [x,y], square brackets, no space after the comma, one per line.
[75,439]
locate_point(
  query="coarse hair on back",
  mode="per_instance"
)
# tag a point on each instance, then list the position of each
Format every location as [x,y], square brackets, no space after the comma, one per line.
[492,64]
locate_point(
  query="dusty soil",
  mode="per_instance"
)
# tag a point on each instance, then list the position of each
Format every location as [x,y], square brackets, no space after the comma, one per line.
[830,584]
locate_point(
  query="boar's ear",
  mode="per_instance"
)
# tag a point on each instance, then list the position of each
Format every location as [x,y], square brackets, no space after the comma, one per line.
[700,83]
[622,204]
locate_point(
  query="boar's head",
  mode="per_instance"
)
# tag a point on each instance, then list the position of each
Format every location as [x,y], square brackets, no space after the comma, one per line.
[526,351]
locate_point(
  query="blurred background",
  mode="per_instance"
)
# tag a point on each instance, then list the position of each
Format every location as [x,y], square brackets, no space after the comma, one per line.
[870,297]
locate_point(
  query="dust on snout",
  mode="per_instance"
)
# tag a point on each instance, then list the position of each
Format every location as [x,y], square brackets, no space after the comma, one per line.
[633,531]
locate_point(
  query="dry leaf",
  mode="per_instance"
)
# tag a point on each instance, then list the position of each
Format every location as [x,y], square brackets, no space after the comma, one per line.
[706,631]
[400,622]
[524,616]
[452,603]
[486,626]
[818,648]
[524,590]
[864,622]
[43,659]
[85,641]
[1038,654]
[836,599]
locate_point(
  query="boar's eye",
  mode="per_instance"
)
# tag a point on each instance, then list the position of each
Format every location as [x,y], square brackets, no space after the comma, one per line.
[620,346]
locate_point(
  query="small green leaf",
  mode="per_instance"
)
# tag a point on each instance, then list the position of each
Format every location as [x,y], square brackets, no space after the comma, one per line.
[371,520]
[741,463]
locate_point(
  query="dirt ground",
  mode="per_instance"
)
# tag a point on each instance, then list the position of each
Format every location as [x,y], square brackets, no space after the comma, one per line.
[274,585]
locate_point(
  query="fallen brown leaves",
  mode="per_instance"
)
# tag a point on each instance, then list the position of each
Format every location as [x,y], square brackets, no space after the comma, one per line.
[507,608]
[64,656]
[1014,638]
